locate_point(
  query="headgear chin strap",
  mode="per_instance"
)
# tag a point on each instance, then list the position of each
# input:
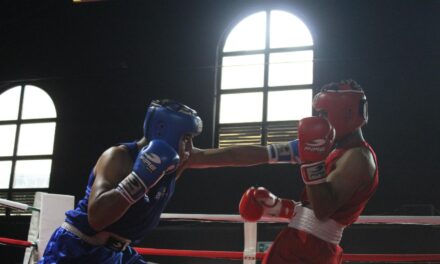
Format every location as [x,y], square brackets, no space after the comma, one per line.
[169,120]
[345,104]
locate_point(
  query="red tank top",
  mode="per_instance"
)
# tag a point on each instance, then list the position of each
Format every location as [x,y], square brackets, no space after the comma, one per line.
[349,212]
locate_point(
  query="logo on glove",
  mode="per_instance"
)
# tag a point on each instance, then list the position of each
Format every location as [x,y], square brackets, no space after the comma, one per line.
[151,161]
[316,145]
[161,193]
[317,172]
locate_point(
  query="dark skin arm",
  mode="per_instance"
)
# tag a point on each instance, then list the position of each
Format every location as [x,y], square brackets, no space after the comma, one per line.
[354,172]
[105,204]
[234,156]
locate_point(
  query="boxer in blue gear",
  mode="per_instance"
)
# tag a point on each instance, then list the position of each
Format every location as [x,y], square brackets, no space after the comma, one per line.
[127,191]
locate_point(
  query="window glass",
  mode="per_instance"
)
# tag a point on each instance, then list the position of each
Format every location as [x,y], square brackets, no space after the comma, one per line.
[291,68]
[242,72]
[249,34]
[9,102]
[32,174]
[7,139]
[36,139]
[26,143]
[5,173]
[37,104]
[243,107]
[289,105]
[286,30]
[259,63]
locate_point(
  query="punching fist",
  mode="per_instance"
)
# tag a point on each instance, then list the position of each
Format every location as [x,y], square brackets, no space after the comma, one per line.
[283,152]
[257,202]
[152,163]
[316,137]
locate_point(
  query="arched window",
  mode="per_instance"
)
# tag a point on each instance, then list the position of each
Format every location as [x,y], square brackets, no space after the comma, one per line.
[27,131]
[264,79]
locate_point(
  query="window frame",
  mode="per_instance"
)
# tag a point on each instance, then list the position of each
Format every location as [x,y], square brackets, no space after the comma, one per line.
[218,92]
[24,195]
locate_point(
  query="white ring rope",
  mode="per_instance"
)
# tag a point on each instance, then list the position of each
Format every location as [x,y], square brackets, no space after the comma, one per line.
[17,205]
[364,219]
[249,255]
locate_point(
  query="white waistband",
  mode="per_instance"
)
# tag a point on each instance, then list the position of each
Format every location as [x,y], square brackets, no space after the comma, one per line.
[100,239]
[304,219]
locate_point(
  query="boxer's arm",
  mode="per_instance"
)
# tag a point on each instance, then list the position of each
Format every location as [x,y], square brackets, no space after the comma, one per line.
[354,172]
[106,205]
[234,156]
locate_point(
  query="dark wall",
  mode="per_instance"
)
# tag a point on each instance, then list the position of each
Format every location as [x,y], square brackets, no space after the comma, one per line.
[103,62]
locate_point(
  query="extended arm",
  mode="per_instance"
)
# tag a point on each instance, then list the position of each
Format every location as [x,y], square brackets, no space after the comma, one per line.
[235,156]
[247,155]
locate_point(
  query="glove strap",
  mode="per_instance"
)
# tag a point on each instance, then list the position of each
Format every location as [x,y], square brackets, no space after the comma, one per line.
[281,208]
[283,152]
[287,208]
[132,188]
[313,173]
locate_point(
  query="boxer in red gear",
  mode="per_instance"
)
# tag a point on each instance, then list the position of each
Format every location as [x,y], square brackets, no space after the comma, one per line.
[340,176]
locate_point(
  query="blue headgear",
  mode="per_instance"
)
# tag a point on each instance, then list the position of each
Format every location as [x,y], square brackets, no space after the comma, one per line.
[169,120]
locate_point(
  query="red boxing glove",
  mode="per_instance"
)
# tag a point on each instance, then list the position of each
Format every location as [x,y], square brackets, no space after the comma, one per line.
[316,137]
[258,202]
[250,209]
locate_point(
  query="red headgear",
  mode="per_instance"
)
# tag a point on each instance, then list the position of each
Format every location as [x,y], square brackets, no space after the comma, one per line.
[345,104]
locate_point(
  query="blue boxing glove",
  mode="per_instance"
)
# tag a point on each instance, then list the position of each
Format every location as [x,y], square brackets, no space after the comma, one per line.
[284,152]
[152,163]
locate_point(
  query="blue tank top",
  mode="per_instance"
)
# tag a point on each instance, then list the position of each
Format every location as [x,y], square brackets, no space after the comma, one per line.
[140,218]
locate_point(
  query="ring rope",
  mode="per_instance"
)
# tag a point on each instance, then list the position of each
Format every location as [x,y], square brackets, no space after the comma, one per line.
[15,242]
[410,220]
[391,257]
[17,205]
[234,255]
[259,256]
[365,219]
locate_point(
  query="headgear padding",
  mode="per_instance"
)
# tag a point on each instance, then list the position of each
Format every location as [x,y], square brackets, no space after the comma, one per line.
[345,104]
[169,121]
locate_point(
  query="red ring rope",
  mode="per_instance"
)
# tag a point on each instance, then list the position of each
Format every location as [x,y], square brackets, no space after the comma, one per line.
[235,255]
[260,255]
[15,242]
[391,257]
[194,253]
